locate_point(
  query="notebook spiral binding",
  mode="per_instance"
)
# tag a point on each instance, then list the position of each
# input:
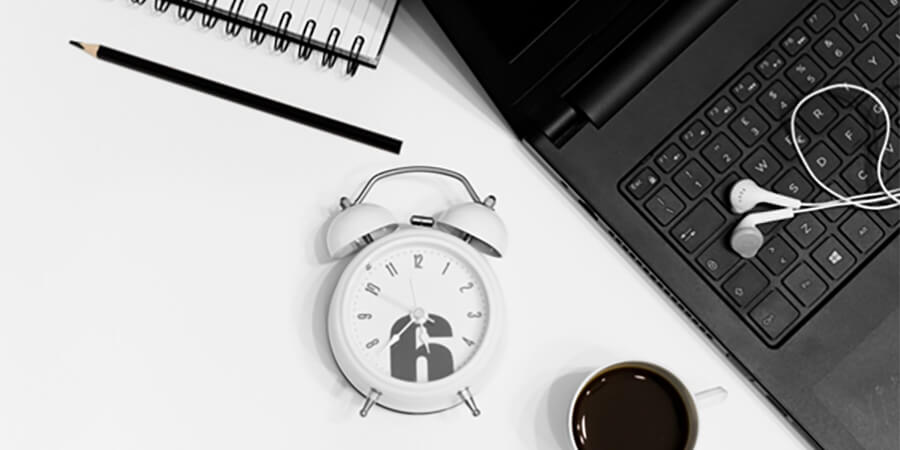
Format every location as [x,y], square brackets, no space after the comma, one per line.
[259,30]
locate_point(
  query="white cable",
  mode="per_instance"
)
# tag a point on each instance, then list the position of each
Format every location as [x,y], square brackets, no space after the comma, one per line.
[855,200]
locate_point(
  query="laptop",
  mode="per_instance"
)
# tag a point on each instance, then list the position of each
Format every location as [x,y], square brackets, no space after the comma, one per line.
[648,111]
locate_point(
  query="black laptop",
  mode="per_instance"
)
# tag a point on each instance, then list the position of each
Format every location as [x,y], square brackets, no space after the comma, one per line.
[648,111]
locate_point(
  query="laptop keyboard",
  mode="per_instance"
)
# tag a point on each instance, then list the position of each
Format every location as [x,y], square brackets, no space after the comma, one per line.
[742,131]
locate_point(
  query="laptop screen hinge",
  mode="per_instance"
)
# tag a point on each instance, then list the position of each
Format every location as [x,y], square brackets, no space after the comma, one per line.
[560,121]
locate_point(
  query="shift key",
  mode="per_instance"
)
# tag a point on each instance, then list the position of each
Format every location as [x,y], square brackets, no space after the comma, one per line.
[697,227]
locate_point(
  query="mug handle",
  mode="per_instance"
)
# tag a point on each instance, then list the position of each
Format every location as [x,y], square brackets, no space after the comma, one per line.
[710,397]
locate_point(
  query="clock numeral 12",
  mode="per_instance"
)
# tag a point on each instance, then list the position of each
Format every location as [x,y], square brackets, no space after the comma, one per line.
[373,289]
[417,261]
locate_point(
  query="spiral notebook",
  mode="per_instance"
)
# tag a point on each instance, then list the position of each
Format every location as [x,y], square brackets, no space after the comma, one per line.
[351,30]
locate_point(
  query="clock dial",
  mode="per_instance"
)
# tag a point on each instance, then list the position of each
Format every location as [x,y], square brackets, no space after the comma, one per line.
[417,313]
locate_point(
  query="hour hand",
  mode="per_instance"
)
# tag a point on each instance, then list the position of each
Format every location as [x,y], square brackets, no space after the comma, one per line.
[426,340]
[396,336]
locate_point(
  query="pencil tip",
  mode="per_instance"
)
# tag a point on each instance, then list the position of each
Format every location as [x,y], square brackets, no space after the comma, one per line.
[76,44]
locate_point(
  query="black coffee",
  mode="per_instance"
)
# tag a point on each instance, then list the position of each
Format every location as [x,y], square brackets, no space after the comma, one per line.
[630,408]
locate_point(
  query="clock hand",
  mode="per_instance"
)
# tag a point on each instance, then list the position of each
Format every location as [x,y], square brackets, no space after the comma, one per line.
[402,305]
[423,335]
[396,336]
[413,290]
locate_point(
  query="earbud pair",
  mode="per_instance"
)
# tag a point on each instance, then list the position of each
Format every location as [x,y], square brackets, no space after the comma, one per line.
[745,195]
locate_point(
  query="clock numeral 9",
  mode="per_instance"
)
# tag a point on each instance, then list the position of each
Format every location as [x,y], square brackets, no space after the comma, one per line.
[466,287]
[363,316]
[372,343]
[474,315]
[373,289]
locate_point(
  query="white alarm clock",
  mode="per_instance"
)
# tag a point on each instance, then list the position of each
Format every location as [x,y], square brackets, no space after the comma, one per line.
[417,316]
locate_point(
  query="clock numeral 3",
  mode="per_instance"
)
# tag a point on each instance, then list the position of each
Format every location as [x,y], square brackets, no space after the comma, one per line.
[417,261]
[466,287]
[392,270]
[363,316]
[468,341]
[474,315]
[372,343]
[373,289]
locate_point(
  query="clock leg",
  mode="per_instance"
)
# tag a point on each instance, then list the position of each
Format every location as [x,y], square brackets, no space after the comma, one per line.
[469,400]
[371,399]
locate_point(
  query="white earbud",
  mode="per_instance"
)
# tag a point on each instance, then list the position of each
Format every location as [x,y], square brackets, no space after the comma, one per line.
[747,239]
[746,195]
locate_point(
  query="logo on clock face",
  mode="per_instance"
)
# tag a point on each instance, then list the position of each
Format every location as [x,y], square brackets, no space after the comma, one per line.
[414,350]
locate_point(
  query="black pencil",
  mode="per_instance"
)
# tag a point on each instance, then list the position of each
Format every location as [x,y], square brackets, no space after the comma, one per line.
[242,97]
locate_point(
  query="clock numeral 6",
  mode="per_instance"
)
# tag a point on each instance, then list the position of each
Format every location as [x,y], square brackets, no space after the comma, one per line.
[466,287]
[372,343]
[363,316]
[373,289]
[474,315]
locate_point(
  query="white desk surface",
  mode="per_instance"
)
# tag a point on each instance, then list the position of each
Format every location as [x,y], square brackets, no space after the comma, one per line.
[163,282]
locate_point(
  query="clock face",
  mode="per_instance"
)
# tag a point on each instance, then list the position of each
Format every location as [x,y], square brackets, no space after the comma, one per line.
[416,312]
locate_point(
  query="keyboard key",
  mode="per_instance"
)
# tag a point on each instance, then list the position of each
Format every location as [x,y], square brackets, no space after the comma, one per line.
[833,48]
[642,183]
[697,227]
[805,285]
[770,64]
[892,82]
[860,175]
[845,97]
[695,135]
[891,153]
[892,216]
[745,88]
[832,214]
[822,161]
[670,158]
[818,114]
[872,111]
[718,259]
[721,153]
[720,112]
[745,284]
[761,166]
[891,36]
[664,206]
[777,255]
[777,101]
[693,179]
[860,22]
[722,192]
[834,258]
[795,41]
[774,315]
[781,140]
[749,126]
[862,231]
[872,61]
[848,134]
[805,229]
[887,7]
[805,74]
[793,184]
[819,19]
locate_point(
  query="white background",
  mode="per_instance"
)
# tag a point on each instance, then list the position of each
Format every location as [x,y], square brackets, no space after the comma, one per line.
[163,280]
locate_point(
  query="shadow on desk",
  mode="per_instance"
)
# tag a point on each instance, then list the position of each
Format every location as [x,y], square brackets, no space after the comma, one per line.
[423,37]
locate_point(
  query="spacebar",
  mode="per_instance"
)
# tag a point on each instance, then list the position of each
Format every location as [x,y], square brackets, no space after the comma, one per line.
[697,227]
